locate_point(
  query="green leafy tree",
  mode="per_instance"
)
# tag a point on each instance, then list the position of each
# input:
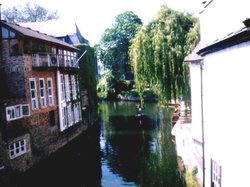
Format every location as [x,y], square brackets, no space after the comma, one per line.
[114,45]
[28,13]
[158,51]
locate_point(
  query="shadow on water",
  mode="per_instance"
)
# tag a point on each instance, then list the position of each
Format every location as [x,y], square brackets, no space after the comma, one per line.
[76,165]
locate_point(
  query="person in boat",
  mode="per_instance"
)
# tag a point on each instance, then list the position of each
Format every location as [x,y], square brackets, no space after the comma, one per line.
[139,112]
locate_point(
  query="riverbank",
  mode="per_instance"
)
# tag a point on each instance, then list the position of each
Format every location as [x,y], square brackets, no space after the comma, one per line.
[188,149]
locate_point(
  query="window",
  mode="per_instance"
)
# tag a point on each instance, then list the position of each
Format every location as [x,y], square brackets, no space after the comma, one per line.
[67,87]
[216,174]
[53,49]
[76,119]
[77,112]
[5,33]
[66,58]
[12,34]
[17,148]
[33,94]
[42,93]
[70,116]
[50,91]
[26,110]
[77,85]
[62,88]
[73,86]
[64,117]
[17,112]
[10,38]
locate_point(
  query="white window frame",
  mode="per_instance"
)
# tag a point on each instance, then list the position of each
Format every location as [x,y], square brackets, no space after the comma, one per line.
[43,102]
[63,95]
[215,174]
[77,87]
[70,115]
[50,91]
[17,111]
[73,86]
[64,117]
[67,87]
[77,112]
[34,101]
[17,148]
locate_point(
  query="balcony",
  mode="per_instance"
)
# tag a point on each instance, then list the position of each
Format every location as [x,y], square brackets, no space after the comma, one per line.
[54,61]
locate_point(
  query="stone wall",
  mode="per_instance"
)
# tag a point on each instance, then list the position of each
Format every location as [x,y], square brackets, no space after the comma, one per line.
[13,75]
[42,137]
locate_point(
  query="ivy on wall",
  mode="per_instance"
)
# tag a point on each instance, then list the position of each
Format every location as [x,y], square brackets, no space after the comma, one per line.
[87,74]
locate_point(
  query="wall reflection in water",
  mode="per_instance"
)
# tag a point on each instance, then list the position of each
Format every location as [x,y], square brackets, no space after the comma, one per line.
[121,150]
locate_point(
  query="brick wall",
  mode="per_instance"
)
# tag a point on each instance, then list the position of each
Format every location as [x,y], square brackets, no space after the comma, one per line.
[41,136]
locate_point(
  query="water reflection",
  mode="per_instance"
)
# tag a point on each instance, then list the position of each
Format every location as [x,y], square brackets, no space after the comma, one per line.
[122,150]
[137,150]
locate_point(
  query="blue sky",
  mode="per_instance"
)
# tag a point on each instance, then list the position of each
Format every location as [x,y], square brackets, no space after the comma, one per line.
[94,16]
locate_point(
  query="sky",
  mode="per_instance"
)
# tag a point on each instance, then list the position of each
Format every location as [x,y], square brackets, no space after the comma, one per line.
[94,16]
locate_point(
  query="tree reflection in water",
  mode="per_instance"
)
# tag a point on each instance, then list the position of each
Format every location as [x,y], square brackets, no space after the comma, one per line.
[139,149]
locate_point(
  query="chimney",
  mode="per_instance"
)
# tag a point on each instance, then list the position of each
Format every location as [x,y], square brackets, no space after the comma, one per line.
[247,22]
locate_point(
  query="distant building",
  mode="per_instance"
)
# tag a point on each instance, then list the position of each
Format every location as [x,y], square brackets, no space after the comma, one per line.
[101,70]
[41,105]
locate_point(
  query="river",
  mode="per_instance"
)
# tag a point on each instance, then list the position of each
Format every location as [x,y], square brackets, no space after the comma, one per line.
[121,150]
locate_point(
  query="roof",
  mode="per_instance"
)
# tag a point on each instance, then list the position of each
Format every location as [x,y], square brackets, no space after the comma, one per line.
[56,28]
[234,38]
[62,29]
[27,32]
[194,56]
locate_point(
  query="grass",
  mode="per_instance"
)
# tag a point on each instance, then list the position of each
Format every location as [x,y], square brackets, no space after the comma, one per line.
[191,180]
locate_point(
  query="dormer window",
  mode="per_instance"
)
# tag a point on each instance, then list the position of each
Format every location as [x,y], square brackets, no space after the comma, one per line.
[11,41]
[6,33]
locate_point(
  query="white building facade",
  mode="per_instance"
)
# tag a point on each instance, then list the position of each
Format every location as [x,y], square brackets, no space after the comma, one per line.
[225,49]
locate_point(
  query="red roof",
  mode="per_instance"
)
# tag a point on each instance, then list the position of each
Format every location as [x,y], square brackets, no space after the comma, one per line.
[194,56]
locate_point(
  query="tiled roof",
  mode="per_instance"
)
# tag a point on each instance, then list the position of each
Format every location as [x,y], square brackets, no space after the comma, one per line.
[194,56]
[27,32]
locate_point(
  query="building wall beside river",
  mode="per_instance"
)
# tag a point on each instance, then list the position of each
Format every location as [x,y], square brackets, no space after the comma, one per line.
[41,103]
[224,78]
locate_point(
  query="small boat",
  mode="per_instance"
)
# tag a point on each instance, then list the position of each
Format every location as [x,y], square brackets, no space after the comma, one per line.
[139,112]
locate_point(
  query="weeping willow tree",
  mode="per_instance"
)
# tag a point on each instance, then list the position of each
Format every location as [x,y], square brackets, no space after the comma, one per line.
[157,53]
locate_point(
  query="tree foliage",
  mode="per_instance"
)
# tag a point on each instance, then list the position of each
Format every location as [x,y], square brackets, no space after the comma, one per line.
[28,13]
[158,51]
[115,41]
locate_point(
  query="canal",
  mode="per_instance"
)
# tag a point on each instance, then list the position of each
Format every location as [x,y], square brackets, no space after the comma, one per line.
[123,149]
